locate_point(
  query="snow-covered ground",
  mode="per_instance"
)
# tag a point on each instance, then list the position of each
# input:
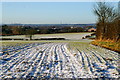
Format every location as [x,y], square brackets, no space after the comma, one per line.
[55,60]
[71,36]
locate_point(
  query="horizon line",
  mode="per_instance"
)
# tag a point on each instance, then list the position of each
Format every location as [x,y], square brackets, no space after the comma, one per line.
[59,0]
[50,23]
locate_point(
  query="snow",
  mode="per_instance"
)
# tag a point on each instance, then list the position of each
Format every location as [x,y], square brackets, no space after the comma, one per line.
[48,60]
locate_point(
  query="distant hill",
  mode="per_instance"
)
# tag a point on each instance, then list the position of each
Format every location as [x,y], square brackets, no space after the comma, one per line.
[39,25]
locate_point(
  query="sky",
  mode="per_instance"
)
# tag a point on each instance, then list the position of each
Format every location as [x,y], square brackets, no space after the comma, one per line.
[48,12]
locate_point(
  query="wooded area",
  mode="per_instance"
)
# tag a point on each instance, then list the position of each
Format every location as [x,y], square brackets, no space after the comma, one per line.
[24,30]
[108,25]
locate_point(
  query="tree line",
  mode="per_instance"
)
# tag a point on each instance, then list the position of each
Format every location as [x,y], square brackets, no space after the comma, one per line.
[108,25]
[29,30]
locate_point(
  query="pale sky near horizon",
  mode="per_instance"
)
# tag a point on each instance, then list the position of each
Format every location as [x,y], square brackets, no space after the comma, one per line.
[48,12]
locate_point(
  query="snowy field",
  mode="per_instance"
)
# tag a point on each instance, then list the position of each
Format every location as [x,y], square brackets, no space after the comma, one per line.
[71,36]
[57,60]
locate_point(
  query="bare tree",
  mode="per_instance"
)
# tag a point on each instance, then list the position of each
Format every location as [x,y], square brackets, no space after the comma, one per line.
[106,16]
[30,33]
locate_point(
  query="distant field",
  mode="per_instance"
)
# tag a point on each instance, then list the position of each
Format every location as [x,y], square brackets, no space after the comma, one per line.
[71,36]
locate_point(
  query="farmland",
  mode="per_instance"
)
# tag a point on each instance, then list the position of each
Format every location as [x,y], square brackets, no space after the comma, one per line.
[70,36]
[57,59]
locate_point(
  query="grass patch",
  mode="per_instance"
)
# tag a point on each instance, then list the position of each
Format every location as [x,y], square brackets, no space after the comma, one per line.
[12,43]
[115,46]
[78,45]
